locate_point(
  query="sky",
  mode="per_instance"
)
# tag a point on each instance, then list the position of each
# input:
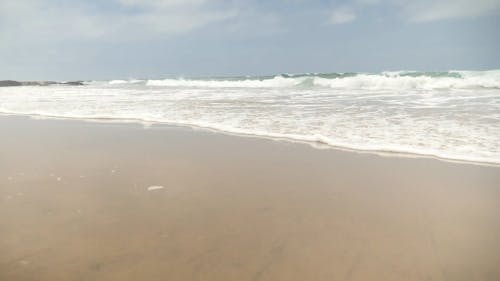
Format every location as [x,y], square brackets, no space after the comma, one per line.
[120,39]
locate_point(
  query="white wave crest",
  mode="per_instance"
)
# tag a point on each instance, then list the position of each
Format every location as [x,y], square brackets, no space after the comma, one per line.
[394,80]
[451,115]
[276,82]
[386,80]
[118,82]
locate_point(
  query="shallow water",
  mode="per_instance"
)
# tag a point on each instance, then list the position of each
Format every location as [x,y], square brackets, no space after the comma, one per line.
[454,115]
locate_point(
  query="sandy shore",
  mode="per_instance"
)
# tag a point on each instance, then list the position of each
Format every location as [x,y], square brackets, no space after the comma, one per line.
[75,205]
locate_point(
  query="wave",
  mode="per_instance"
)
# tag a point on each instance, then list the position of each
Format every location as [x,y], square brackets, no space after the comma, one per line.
[453,115]
[373,81]
[118,82]
[275,82]
[313,139]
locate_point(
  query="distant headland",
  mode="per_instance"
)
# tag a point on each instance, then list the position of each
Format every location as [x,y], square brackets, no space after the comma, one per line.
[12,83]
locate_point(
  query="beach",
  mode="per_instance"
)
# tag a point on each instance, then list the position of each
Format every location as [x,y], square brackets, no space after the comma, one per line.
[121,201]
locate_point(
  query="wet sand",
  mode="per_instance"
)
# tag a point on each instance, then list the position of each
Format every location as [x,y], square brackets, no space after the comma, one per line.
[93,201]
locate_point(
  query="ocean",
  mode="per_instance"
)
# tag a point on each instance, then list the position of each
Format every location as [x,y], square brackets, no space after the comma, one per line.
[452,115]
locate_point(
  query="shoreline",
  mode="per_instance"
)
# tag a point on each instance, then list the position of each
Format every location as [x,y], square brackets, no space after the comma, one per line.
[315,144]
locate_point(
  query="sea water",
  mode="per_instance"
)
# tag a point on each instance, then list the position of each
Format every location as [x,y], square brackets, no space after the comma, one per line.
[453,115]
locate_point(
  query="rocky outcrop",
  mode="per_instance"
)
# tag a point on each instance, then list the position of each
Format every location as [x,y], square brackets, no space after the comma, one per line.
[12,83]
[9,83]
[73,83]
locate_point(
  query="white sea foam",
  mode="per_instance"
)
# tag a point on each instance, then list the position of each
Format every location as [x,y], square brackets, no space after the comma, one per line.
[386,80]
[155,187]
[275,82]
[396,81]
[453,115]
[132,81]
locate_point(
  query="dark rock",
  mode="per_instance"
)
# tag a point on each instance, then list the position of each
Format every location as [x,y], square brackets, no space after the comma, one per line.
[73,83]
[10,83]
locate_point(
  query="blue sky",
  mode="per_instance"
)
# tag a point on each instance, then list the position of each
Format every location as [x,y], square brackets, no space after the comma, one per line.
[109,39]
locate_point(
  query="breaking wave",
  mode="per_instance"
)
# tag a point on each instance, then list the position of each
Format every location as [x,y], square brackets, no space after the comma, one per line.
[384,80]
[453,115]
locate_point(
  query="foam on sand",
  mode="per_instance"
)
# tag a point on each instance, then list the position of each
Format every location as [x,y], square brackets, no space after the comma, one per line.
[155,187]
[452,115]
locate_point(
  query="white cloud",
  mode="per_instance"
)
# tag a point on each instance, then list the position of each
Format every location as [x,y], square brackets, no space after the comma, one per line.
[342,15]
[435,10]
[421,11]
[161,3]
[368,2]
[174,23]
[55,21]
[42,19]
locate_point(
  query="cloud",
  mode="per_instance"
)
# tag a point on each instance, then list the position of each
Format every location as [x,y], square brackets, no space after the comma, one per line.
[436,10]
[176,16]
[161,3]
[47,20]
[421,11]
[342,15]
[42,19]
[174,21]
